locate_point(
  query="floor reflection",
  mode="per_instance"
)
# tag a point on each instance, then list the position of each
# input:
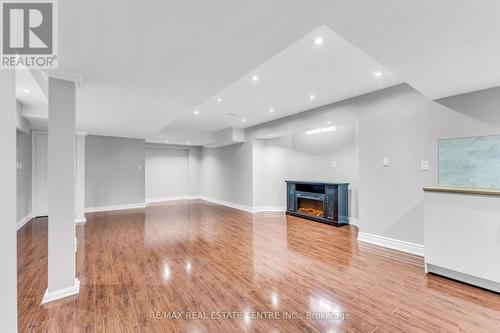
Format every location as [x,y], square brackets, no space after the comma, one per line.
[204,262]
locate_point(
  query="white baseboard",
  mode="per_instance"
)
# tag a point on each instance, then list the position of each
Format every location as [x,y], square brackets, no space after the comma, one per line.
[62,293]
[250,209]
[214,200]
[227,204]
[172,198]
[80,220]
[473,280]
[115,207]
[354,221]
[258,209]
[24,220]
[393,244]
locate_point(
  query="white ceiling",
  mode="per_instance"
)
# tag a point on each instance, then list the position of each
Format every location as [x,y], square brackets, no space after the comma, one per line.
[332,71]
[146,64]
[28,91]
[145,68]
[441,48]
[33,99]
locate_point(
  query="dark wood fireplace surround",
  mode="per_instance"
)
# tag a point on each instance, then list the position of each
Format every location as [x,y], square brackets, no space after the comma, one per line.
[325,202]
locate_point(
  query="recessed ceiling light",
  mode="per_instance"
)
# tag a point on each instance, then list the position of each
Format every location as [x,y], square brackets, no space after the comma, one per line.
[377,74]
[196,112]
[26,90]
[243,120]
[166,141]
[271,110]
[312,97]
[328,122]
[219,99]
[187,142]
[318,41]
[255,78]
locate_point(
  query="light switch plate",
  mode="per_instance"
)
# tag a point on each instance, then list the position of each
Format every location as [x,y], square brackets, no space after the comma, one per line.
[334,164]
[424,165]
[139,167]
[386,161]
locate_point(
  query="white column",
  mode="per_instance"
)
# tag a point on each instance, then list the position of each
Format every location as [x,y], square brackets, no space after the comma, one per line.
[80,178]
[61,160]
[8,236]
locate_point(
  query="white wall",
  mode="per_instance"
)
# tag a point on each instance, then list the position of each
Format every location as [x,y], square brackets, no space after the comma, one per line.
[21,122]
[226,173]
[194,171]
[167,173]
[24,188]
[8,239]
[396,122]
[272,165]
[313,157]
[305,157]
[114,171]
[80,179]
[405,126]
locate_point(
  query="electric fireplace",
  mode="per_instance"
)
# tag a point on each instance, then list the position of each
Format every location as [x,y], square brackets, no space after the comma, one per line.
[322,202]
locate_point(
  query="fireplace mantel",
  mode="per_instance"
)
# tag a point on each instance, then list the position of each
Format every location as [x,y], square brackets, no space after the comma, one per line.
[318,201]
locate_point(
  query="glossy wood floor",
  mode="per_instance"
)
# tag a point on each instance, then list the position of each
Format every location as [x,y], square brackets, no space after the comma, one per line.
[257,273]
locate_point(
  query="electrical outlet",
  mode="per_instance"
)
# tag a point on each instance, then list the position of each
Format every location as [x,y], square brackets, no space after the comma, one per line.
[334,164]
[424,165]
[386,161]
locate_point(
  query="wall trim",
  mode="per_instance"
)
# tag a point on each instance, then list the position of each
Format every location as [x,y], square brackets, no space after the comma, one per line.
[171,198]
[80,220]
[258,209]
[24,220]
[354,221]
[114,207]
[393,244]
[61,293]
[66,76]
[250,209]
[227,203]
[473,280]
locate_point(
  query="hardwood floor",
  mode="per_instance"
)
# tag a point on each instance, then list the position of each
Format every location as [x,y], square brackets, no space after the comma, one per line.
[254,273]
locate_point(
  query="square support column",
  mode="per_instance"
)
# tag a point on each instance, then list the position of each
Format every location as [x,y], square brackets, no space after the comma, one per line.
[8,234]
[62,280]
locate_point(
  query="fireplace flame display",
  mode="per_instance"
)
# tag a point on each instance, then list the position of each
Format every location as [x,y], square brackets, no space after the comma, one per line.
[311,211]
[310,207]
